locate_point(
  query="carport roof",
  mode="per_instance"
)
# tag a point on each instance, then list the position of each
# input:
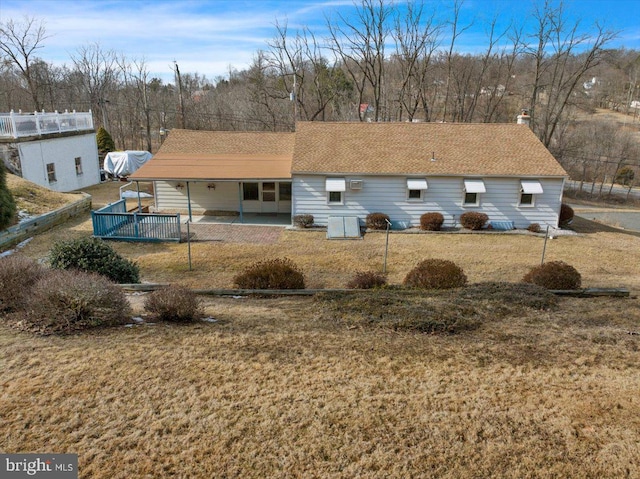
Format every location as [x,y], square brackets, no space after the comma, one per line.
[220,155]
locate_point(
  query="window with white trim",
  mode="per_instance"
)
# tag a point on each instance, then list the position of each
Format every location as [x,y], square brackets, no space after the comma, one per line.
[472,190]
[51,172]
[335,188]
[528,191]
[78,166]
[416,188]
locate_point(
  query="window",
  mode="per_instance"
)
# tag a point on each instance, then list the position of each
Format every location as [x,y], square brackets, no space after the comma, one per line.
[528,190]
[335,197]
[78,165]
[250,192]
[51,172]
[269,191]
[415,188]
[285,192]
[472,190]
[335,188]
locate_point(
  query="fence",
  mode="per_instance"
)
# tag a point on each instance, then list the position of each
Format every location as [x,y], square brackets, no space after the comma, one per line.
[15,125]
[113,222]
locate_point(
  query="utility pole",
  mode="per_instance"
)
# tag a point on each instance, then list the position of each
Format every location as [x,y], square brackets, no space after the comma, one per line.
[179,84]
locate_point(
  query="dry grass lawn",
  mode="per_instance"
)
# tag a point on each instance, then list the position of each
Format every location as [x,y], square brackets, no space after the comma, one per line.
[286,387]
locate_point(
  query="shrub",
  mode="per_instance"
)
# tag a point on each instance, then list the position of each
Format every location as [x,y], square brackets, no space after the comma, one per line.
[625,175]
[377,221]
[534,228]
[303,221]
[17,275]
[566,215]
[93,255]
[104,141]
[367,280]
[279,273]
[554,275]
[7,203]
[431,221]
[66,301]
[473,220]
[174,303]
[436,274]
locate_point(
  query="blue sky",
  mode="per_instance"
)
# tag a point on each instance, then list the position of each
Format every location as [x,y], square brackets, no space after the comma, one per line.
[209,37]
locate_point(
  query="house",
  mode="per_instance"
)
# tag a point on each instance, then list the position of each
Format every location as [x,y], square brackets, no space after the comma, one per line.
[352,169]
[54,150]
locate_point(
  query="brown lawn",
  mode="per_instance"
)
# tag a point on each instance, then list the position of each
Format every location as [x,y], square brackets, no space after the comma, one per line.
[286,387]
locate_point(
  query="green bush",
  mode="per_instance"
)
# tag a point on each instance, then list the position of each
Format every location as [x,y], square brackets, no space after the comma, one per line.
[7,203]
[367,280]
[174,303]
[377,221]
[473,220]
[625,175]
[436,274]
[554,275]
[534,228]
[279,273]
[303,221]
[104,140]
[93,255]
[66,301]
[566,215]
[431,221]
[17,275]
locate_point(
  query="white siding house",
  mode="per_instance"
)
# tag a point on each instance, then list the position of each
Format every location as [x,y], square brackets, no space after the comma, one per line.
[57,151]
[352,169]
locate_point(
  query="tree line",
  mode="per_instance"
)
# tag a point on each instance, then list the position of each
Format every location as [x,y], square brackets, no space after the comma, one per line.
[386,62]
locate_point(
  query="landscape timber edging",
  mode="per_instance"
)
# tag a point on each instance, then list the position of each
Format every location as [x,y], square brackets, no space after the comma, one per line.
[16,233]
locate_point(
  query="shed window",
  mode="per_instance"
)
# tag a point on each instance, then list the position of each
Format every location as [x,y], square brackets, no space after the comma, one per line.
[334,197]
[78,165]
[51,172]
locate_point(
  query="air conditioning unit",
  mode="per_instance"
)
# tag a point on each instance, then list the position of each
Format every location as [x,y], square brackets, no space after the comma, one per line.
[355,184]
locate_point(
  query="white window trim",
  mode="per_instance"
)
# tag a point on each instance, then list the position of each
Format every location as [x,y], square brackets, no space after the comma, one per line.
[416,184]
[527,205]
[529,187]
[472,186]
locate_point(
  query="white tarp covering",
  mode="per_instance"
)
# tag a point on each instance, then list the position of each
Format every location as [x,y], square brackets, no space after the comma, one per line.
[123,163]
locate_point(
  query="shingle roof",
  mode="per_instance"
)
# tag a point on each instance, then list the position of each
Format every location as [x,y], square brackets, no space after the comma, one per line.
[205,155]
[483,149]
[469,149]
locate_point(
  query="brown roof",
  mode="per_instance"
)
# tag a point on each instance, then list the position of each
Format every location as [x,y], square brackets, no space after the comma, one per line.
[220,155]
[483,149]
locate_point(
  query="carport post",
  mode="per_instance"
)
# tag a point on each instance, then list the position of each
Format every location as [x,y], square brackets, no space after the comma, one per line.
[240,199]
[139,202]
[189,201]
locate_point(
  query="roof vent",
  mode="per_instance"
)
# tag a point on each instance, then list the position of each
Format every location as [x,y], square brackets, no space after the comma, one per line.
[433,156]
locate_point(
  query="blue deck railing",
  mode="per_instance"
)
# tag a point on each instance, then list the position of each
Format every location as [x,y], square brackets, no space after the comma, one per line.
[113,222]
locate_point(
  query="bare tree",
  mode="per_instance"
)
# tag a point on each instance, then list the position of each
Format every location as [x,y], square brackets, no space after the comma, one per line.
[19,42]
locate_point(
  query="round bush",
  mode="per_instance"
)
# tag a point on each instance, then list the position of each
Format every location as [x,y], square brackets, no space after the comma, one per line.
[279,273]
[566,215]
[66,301]
[17,275]
[93,255]
[436,274]
[534,228]
[377,221]
[303,221]
[174,303]
[554,275]
[367,280]
[473,220]
[431,221]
